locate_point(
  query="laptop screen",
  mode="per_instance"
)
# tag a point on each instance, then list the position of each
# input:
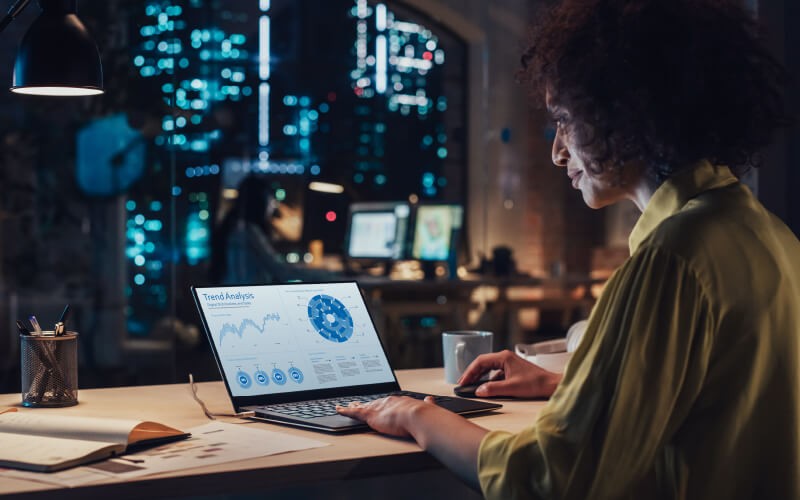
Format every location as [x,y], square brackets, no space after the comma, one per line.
[276,339]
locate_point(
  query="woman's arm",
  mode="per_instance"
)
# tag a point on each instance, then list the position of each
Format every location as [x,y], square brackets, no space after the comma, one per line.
[452,439]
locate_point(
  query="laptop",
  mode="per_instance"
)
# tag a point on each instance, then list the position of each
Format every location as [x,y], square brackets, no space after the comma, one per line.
[291,352]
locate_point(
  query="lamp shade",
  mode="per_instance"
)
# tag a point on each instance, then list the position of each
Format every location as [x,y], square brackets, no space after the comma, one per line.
[57,56]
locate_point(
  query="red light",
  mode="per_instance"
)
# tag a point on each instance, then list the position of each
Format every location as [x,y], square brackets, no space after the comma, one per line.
[330,216]
[332,96]
[359,91]
[427,55]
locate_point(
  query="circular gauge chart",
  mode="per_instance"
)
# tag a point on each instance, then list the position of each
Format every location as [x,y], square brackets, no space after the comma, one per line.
[243,379]
[330,318]
[296,375]
[278,376]
[262,378]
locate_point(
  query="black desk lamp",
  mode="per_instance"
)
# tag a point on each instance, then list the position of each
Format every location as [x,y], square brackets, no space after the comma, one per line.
[57,57]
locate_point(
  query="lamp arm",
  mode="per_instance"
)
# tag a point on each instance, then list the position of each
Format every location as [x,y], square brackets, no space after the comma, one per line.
[13,12]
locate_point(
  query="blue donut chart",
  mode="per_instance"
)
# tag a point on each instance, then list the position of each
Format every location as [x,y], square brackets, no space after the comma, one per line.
[262,378]
[278,376]
[243,379]
[330,318]
[296,375]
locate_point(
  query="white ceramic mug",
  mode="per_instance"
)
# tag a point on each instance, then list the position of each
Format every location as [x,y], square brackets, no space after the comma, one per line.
[460,348]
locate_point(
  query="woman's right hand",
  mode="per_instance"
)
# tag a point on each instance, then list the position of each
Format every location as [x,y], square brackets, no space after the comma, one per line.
[516,377]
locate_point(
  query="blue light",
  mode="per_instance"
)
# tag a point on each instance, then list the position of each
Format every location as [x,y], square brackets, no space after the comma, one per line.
[139,219]
[323,108]
[155,206]
[139,279]
[196,119]
[214,169]
[138,60]
[305,101]
[305,145]
[289,100]
[313,115]
[153,225]
[315,169]
[205,55]
[167,88]
[139,260]
[289,130]
[180,121]
[183,63]
[428,179]
[441,153]
[147,71]
[380,179]
[149,247]
[176,190]
[130,205]
[148,30]
[358,178]
[189,172]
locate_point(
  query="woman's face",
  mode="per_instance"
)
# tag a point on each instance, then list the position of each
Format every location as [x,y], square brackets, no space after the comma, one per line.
[600,185]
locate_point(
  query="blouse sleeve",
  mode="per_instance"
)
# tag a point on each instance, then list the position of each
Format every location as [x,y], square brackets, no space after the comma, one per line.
[628,387]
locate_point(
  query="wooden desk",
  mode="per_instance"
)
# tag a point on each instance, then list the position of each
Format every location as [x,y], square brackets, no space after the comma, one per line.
[349,458]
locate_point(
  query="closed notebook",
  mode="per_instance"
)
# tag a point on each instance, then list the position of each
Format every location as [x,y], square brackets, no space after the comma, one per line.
[50,442]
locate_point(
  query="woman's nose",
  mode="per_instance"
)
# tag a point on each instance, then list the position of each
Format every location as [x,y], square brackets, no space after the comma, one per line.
[560,154]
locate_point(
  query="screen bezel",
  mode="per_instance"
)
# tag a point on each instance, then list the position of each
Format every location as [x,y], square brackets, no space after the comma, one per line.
[290,397]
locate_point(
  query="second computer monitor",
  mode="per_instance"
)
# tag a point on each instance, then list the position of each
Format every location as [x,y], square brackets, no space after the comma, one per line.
[435,230]
[377,231]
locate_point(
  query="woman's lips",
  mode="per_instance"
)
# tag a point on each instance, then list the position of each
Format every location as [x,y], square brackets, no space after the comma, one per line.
[575,176]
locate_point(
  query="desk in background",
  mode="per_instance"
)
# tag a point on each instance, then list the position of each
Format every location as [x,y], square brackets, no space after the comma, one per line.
[338,471]
[479,302]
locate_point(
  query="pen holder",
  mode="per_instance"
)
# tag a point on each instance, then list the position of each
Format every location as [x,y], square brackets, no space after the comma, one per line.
[49,369]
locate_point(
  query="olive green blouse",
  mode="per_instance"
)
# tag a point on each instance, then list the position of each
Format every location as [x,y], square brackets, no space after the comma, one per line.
[687,381]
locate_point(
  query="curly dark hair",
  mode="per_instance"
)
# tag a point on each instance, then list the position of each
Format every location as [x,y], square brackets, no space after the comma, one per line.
[666,82]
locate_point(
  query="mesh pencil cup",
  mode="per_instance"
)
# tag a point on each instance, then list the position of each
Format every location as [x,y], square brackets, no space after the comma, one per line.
[49,367]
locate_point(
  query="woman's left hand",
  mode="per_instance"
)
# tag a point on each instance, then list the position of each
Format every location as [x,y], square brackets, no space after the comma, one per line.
[391,415]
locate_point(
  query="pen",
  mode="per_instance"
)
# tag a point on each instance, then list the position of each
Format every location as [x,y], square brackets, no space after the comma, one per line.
[61,325]
[37,330]
[22,328]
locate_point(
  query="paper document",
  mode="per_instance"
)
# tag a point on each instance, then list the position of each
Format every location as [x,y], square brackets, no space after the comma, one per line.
[210,444]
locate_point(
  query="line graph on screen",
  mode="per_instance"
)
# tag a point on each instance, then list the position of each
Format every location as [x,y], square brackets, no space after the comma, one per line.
[247,325]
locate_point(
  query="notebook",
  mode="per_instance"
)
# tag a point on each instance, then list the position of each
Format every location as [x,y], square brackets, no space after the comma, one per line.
[291,352]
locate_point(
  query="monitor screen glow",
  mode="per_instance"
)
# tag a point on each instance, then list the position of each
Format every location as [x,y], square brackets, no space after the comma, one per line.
[377,231]
[433,231]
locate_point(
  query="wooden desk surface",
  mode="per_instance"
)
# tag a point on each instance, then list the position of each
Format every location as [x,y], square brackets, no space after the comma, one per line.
[350,456]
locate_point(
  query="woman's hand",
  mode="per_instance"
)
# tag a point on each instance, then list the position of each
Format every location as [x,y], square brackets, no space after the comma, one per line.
[516,377]
[452,439]
[391,415]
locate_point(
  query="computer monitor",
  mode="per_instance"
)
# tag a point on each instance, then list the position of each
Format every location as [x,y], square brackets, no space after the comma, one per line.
[436,227]
[377,231]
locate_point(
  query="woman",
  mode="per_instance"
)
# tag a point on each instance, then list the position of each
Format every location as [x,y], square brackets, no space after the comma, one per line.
[242,250]
[687,381]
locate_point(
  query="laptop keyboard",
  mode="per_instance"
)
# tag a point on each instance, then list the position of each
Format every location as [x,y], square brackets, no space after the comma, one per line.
[327,407]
